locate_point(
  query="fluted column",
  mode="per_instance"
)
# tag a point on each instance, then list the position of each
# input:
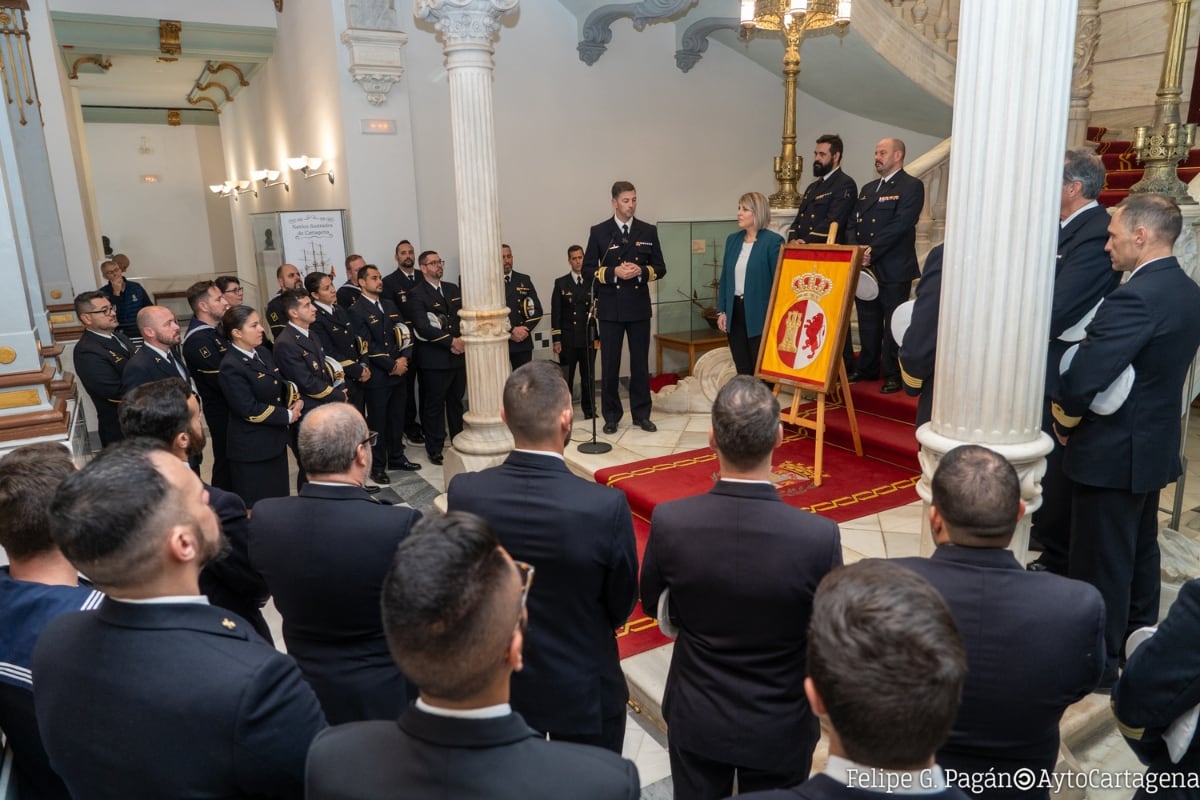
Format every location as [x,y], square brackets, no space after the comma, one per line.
[1087,36]
[1001,234]
[468,29]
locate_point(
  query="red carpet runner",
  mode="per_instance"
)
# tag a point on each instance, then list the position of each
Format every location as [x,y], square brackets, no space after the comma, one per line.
[852,487]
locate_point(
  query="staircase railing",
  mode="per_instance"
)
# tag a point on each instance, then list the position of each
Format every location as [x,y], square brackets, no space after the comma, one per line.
[941,29]
[933,169]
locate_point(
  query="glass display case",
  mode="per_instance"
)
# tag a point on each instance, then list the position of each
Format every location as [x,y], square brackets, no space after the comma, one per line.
[687,296]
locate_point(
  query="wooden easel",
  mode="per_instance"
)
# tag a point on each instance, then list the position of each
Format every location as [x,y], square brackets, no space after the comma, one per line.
[793,414]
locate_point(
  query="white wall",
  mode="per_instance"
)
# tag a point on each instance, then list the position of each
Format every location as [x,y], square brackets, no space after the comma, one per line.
[163,227]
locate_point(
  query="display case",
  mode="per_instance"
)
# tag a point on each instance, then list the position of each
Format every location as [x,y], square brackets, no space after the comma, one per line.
[687,296]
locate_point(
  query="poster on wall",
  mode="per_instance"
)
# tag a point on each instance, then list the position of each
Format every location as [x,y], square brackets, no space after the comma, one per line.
[315,241]
[809,314]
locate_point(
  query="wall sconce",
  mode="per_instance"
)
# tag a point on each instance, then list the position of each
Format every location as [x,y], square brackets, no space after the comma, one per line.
[223,189]
[269,178]
[246,186]
[307,165]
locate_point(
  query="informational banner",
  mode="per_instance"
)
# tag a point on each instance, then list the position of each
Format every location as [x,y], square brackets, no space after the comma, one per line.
[809,314]
[315,241]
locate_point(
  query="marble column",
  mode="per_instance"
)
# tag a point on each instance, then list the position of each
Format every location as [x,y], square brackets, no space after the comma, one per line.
[1001,237]
[468,29]
[1087,36]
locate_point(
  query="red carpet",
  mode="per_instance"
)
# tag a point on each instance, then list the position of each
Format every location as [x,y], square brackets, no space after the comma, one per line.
[1124,170]
[852,487]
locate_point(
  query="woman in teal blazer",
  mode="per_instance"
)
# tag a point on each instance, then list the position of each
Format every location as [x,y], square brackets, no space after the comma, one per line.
[751,255]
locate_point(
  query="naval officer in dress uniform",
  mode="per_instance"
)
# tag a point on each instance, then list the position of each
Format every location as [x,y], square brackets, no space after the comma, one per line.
[573,341]
[828,199]
[524,310]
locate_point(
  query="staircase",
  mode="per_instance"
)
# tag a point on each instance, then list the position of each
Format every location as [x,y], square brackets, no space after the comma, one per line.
[885,424]
[1122,170]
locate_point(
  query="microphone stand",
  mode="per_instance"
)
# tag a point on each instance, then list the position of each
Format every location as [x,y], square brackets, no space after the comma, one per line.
[594,447]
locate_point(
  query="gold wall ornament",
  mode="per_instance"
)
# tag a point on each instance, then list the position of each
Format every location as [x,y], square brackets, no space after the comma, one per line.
[100,61]
[55,294]
[213,68]
[197,100]
[1161,147]
[169,31]
[204,87]
[7,355]
[173,118]
[22,398]
[16,66]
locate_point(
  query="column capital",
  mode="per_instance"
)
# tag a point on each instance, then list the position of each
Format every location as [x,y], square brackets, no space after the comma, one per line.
[464,21]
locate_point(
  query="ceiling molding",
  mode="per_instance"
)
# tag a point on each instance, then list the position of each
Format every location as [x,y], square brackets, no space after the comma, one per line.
[597,28]
[148,116]
[695,39]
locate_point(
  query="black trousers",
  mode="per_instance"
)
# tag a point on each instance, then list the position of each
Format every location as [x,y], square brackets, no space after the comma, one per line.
[1114,547]
[875,330]
[585,359]
[442,393]
[612,334]
[698,778]
[385,416]
[611,735]
[356,394]
[412,419]
[743,348]
[1052,521]
[218,430]
[255,480]
[518,358]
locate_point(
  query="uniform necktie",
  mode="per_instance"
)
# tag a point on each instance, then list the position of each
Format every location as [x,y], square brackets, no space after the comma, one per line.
[625,229]
[174,364]
[508,278]
[578,280]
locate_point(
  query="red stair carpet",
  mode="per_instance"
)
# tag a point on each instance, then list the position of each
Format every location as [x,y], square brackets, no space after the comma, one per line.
[852,487]
[1123,170]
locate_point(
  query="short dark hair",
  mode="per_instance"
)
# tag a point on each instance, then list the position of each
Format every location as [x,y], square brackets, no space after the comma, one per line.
[109,517]
[534,396]
[29,476]
[291,299]
[279,269]
[396,249]
[84,300]
[362,272]
[505,247]
[312,281]
[620,187]
[157,410]
[329,437]
[445,611]
[1155,212]
[353,257]
[834,141]
[198,291]
[233,319]
[1083,165]
[978,495]
[887,660]
[424,255]
[745,422]
[572,249]
[223,282]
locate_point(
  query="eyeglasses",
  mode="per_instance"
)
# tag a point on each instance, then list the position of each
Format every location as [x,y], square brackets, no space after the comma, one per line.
[235,290]
[526,571]
[432,263]
[372,438]
[105,310]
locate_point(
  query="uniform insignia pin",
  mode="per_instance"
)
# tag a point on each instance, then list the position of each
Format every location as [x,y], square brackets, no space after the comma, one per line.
[228,623]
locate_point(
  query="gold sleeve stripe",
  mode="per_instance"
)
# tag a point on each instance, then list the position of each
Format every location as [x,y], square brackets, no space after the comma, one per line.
[909,380]
[1061,417]
[1128,732]
[601,275]
[538,318]
[348,362]
[263,416]
[443,336]
[651,274]
[555,330]
[323,394]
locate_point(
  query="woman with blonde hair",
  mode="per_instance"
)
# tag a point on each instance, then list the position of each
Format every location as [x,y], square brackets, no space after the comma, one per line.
[751,255]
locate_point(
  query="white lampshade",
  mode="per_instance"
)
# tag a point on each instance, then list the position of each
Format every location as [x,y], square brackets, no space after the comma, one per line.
[843,12]
[271,174]
[799,7]
[747,13]
[216,188]
[243,184]
[314,162]
[228,185]
[258,174]
[298,163]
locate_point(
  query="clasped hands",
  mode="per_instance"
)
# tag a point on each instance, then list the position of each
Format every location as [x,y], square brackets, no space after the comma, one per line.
[626,270]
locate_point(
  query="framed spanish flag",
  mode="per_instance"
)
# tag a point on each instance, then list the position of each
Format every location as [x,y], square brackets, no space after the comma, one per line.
[808,316]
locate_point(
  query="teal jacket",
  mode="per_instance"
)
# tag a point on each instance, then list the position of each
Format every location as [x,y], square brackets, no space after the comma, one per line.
[760,275]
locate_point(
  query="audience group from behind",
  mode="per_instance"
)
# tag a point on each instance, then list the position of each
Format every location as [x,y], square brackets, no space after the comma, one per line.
[423,659]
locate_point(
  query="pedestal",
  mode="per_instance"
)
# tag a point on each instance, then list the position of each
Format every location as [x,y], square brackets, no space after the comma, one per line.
[1001,238]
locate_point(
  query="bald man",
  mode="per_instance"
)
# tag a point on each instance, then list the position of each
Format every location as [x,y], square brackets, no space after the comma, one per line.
[289,278]
[158,357]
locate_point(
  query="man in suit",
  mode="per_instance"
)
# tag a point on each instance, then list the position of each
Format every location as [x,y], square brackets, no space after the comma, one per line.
[301,360]
[1049,629]
[397,285]
[1160,684]
[100,357]
[732,559]
[1083,276]
[156,358]
[192,695]
[885,671]
[167,412]
[348,293]
[36,585]
[524,310]
[289,279]
[203,350]
[918,352]
[572,335]
[323,554]
[454,613]
[885,222]
[335,331]
[623,256]
[1119,462]
[828,199]
[579,537]
[387,346]
[434,306]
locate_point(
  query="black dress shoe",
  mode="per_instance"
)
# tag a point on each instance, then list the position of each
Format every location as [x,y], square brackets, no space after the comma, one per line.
[588,415]
[610,427]
[646,425]
[890,386]
[371,489]
[436,458]
[416,437]
[406,465]
[859,377]
[381,478]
